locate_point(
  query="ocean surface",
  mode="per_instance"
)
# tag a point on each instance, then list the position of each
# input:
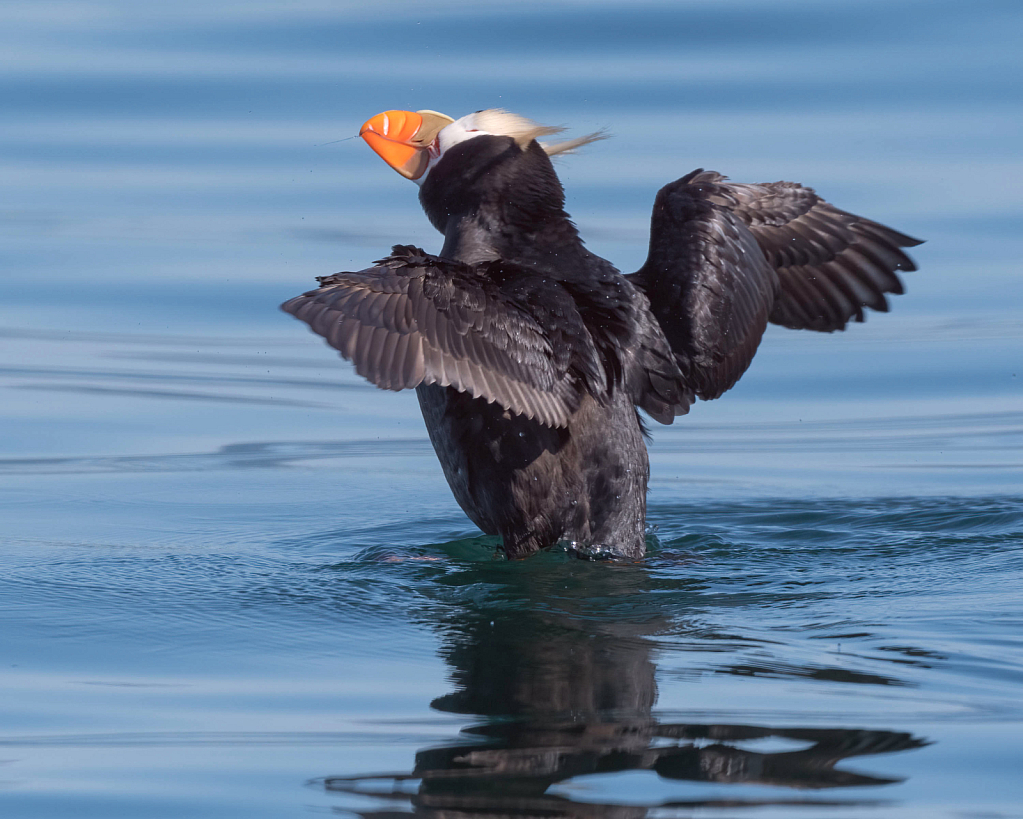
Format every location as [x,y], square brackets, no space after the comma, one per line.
[233,582]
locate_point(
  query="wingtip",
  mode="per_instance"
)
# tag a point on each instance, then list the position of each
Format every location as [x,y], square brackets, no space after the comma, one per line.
[291,306]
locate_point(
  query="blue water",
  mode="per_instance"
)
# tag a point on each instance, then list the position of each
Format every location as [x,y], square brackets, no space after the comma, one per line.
[232,579]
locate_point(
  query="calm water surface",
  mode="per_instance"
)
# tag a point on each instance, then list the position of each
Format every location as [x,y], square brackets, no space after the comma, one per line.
[232,579]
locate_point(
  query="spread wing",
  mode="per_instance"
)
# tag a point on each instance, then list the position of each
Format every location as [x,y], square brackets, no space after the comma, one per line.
[710,287]
[417,319]
[726,258]
[831,264]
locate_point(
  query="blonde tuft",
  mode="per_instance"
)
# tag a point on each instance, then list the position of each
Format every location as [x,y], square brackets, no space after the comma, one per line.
[569,145]
[523,130]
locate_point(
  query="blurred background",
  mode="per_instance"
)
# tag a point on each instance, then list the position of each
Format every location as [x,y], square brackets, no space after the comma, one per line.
[180,168]
[230,567]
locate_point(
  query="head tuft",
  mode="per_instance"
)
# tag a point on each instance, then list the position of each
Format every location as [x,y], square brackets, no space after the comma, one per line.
[523,130]
[570,145]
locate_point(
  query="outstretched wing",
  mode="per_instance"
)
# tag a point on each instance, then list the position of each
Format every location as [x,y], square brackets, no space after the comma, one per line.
[709,285]
[726,258]
[831,264]
[417,319]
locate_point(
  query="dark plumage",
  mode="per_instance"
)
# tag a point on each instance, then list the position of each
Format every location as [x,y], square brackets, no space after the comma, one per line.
[529,354]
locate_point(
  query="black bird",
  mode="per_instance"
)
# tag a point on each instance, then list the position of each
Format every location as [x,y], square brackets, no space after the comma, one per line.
[529,354]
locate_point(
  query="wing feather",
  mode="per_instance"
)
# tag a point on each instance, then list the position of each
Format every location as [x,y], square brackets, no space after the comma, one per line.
[725,258]
[847,255]
[415,318]
[709,285]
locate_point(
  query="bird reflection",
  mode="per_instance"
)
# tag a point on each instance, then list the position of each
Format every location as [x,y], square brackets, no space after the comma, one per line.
[564,681]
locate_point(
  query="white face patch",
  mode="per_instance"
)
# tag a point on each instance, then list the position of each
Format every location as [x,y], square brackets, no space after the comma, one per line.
[498,122]
[459,131]
[450,135]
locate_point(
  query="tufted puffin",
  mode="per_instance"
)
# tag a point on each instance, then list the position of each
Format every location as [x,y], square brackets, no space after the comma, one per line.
[530,355]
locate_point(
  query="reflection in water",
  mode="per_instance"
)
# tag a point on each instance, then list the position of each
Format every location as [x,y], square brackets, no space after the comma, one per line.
[565,677]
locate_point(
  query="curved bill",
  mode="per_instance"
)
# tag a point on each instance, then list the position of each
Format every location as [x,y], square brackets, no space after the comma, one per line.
[403,138]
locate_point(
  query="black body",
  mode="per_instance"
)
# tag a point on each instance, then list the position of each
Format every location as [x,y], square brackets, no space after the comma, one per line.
[529,354]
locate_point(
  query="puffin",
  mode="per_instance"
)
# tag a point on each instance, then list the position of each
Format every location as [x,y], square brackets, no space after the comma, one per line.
[531,356]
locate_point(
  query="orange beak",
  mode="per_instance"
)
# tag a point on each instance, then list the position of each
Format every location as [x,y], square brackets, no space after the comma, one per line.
[403,138]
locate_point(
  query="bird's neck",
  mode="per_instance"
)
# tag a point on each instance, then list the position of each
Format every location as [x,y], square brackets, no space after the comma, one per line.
[550,243]
[494,200]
